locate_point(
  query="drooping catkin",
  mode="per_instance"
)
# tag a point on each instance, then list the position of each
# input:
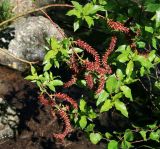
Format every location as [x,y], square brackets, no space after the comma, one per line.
[67,125]
[117,26]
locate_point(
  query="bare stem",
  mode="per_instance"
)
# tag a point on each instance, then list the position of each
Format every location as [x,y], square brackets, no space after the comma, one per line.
[17,58]
[35,10]
[53,23]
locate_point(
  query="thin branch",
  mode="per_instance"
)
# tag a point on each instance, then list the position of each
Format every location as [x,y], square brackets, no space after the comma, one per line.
[100,16]
[143,85]
[53,23]
[17,58]
[35,10]
[139,141]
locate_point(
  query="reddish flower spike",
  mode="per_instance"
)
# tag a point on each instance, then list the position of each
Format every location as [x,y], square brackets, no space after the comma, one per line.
[108,52]
[73,64]
[66,98]
[101,84]
[44,101]
[70,82]
[118,26]
[89,80]
[90,66]
[90,50]
[63,115]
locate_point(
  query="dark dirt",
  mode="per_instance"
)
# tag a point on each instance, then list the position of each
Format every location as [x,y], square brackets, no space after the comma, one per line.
[36,124]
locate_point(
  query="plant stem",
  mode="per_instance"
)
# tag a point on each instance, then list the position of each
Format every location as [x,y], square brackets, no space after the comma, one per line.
[35,10]
[20,59]
[54,24]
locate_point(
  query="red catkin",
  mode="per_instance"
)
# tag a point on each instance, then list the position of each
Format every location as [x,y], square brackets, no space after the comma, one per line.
[101,84]
[44,101]
[89,80]
[70,82]
[90,66]
[66,98]
[90,50]
[108,52]
[73,64]
[63,115]
[117,26]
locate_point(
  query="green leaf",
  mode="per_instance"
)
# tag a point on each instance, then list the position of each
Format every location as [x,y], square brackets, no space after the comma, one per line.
[33,70]
[123,57]
[50,55]
[95,137]
[154,43]
[30,77]
[120,74]
[153,126]
[154,136]
[126,145]
[54,45]
[92,9]
[141,44]
[47,66]
[108,135]
[111,84]
[102,97]
[127,92]
[153,7]
[106,106]
[128,135]
[89,20]
[149,29]
[74,12]
[83,122]
[87,8]
[74,49]
[56,63]
[158,18]
[143,61]
[117,96]
[121,107]
[92,114]
[46,75]
[121,48]
[142,71]
[82,105]
[76,25]
[157,84]
[152,55]
[56,83]
[129,69]
[77,5]
[143,134]
[51,87]
[113,144]
[95,8]
[90,128]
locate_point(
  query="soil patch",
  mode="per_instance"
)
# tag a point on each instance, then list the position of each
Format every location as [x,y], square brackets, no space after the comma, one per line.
[36,123]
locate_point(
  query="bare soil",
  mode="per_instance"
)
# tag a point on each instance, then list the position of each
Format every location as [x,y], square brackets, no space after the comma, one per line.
[36,124]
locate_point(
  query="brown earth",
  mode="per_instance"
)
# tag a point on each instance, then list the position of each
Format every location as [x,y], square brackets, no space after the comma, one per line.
[36,124]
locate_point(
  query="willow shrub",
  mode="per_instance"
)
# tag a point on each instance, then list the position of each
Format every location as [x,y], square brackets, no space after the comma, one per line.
[120,78]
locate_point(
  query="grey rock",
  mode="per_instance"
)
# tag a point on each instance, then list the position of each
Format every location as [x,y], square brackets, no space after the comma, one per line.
[28,37]
[9,120]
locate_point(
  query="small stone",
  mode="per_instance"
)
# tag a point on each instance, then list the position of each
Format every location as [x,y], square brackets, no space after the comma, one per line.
[9,120]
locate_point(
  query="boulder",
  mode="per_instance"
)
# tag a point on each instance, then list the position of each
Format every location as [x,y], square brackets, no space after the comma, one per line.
[25,39]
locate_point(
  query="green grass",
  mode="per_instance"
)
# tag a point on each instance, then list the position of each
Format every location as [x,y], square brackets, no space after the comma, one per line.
[5,10]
